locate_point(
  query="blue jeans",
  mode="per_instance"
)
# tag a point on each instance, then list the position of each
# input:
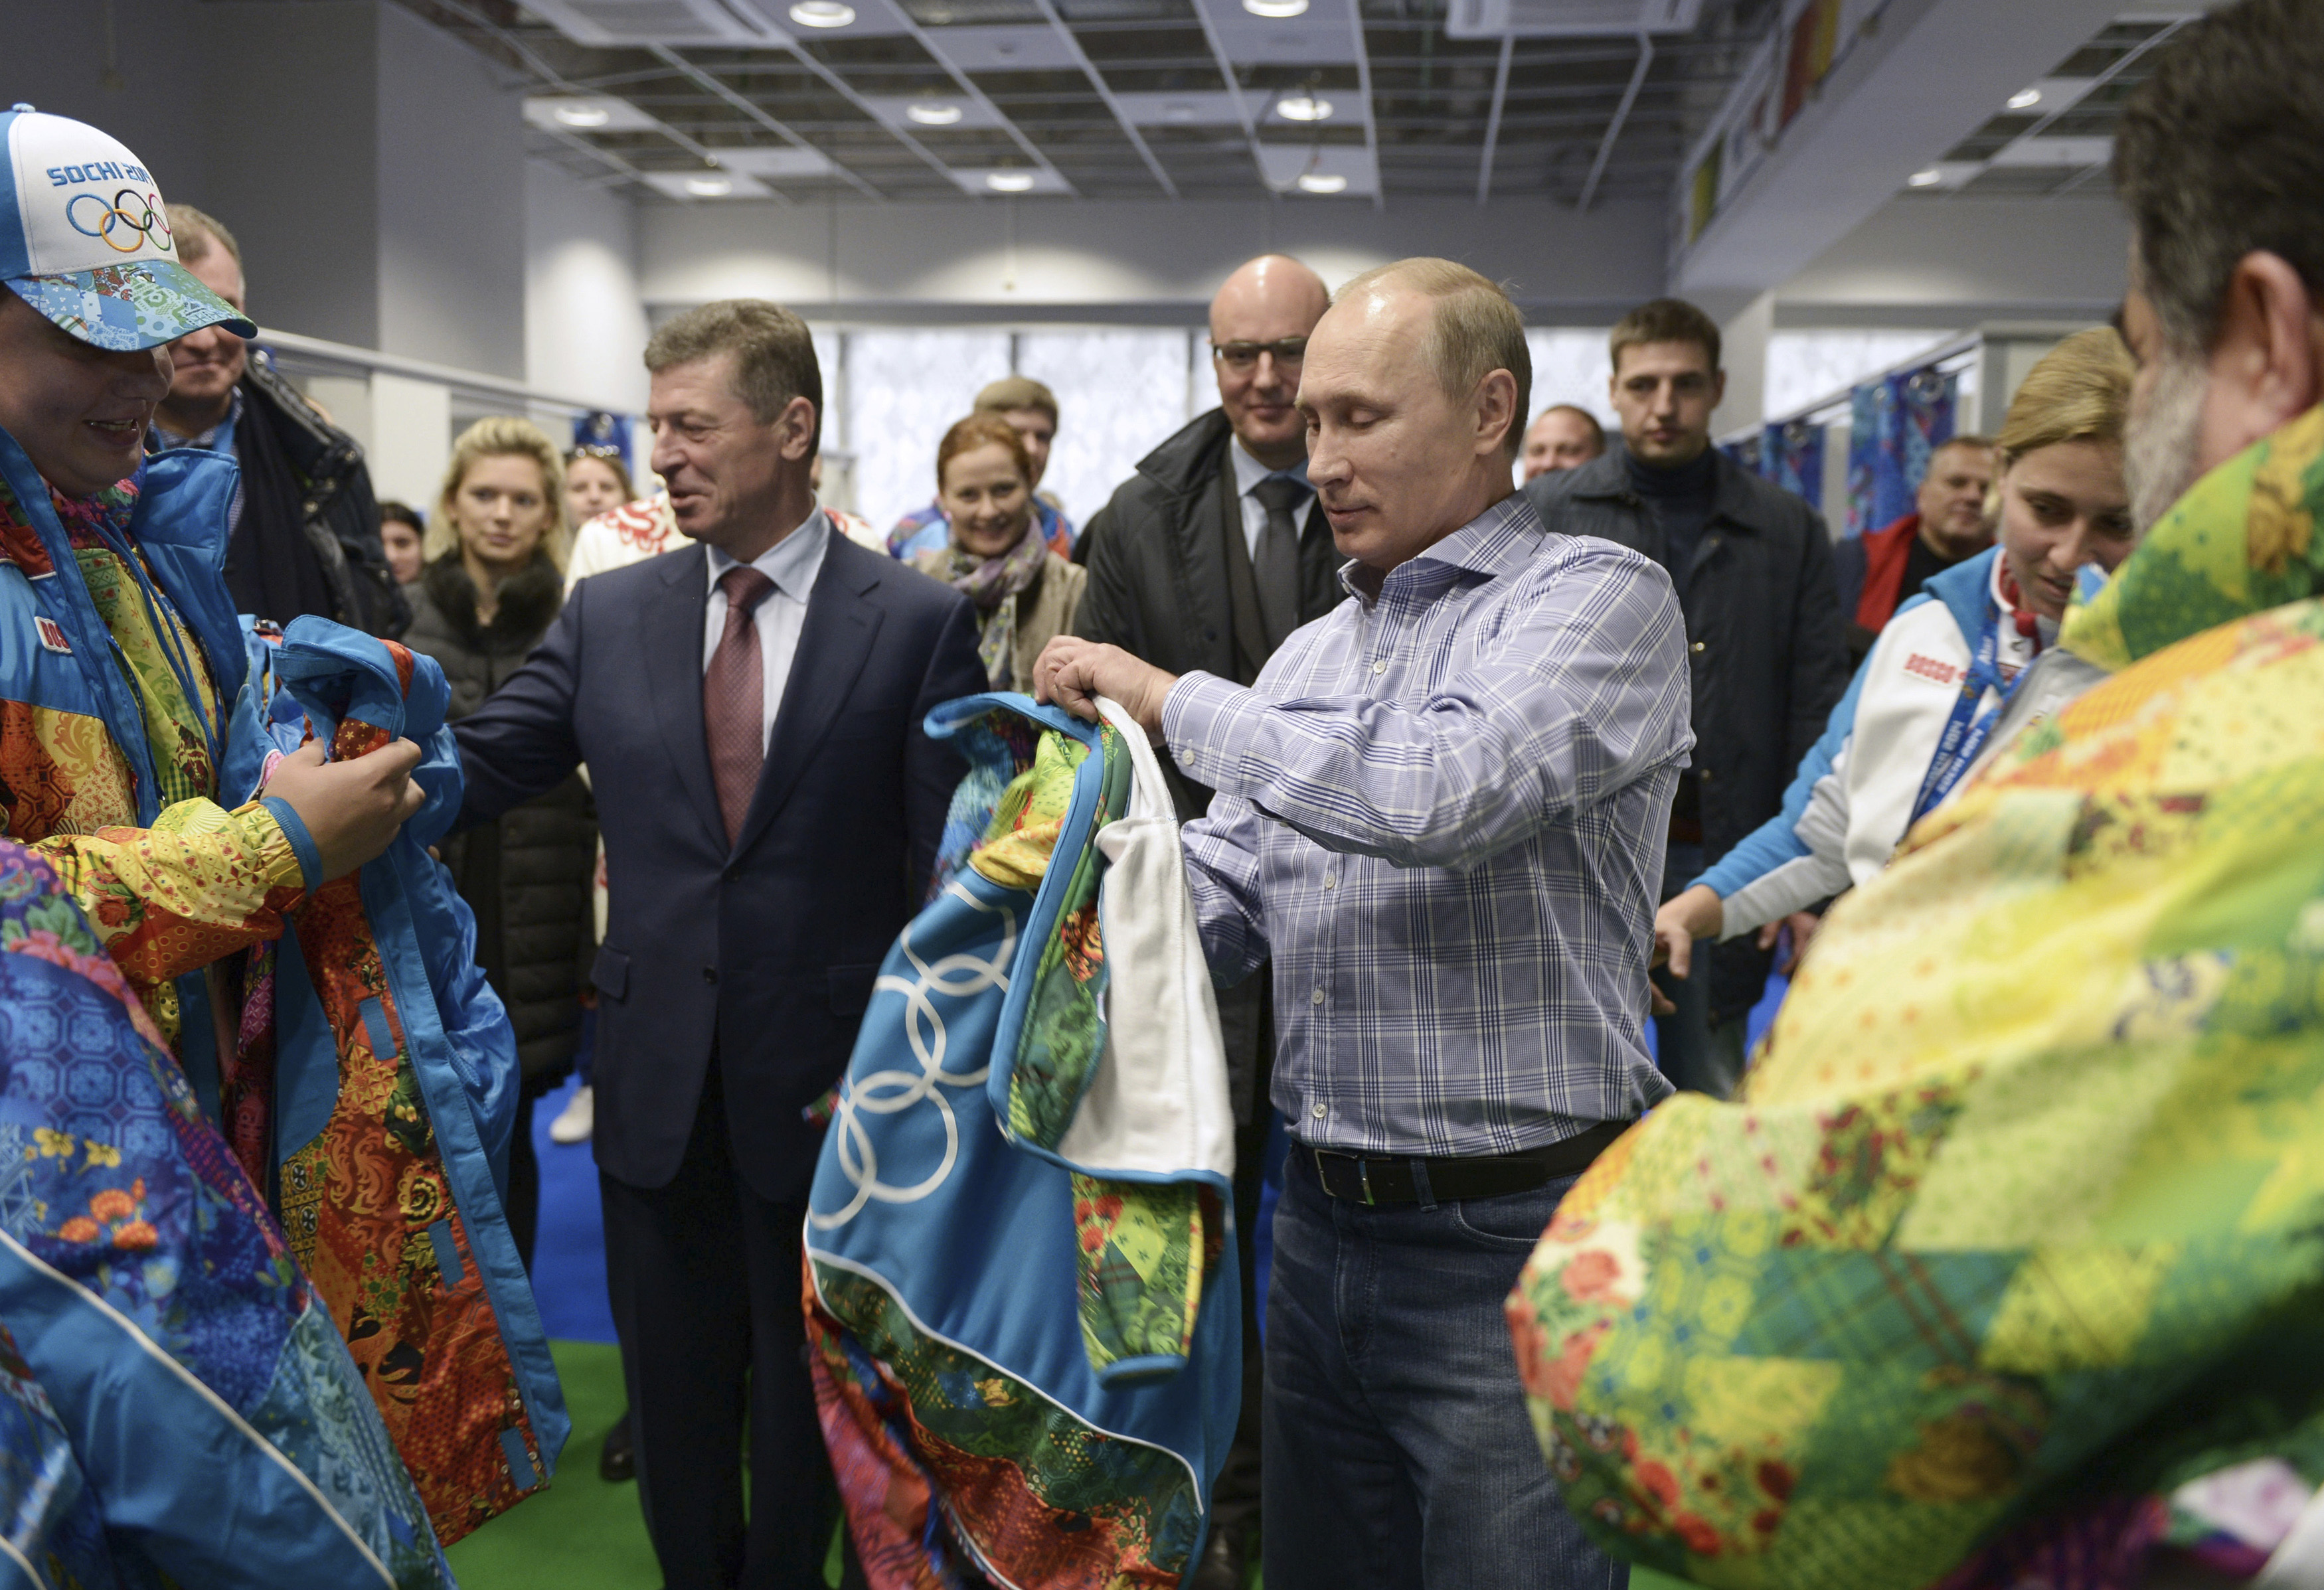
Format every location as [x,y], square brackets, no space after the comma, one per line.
[1397,1450]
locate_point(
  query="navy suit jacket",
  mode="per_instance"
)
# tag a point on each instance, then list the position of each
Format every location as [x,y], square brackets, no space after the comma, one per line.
[764,953]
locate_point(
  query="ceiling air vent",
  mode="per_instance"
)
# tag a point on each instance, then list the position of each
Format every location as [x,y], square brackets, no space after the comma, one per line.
[651,21]
[1494,19]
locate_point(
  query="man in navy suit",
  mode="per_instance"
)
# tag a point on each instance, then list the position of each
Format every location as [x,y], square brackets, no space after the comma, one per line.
[750,709]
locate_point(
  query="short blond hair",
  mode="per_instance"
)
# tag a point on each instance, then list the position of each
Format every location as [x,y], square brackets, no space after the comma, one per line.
[501,436]
[1474,331]
[2078,391]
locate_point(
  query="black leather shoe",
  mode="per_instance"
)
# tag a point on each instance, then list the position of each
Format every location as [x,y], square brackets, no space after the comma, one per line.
[1223,1567]
[617,1460]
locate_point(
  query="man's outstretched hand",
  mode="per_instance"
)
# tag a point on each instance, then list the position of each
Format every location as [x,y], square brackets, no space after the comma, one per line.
[1074,673]
[351,809]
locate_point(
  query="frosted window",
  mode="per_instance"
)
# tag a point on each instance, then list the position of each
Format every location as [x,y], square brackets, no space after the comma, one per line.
[1805,367]
[1120,394]
[1570,366]
[838,463]
[903,391]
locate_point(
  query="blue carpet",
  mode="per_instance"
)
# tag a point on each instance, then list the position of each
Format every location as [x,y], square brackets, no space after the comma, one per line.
[568,1250]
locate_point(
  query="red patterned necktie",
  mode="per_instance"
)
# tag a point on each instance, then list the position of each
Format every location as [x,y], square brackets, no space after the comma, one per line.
[734,698]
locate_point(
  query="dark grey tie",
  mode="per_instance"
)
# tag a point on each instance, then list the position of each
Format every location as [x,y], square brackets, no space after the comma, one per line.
[1276,567]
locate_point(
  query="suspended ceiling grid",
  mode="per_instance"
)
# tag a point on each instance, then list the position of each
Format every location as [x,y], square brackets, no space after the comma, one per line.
[2055,136]
[1117,99]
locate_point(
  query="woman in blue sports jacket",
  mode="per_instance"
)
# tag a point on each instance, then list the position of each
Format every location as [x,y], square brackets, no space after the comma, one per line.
[1922,707]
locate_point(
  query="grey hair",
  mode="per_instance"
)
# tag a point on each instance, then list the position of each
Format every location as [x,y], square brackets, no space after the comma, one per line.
[2221,154]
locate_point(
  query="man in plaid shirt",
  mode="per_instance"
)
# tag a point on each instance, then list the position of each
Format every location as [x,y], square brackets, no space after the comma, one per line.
[1441,811]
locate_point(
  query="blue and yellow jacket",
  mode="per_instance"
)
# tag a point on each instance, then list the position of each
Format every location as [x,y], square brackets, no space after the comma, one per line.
[362,1034]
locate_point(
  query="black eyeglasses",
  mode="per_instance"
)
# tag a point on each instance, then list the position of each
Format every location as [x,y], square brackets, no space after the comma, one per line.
[1291,350]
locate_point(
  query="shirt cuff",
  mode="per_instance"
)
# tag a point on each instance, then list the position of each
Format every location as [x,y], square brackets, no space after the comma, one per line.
[302,843]
[1210,725]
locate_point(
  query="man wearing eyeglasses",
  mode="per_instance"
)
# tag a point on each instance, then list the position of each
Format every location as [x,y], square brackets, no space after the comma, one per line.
[1206,559]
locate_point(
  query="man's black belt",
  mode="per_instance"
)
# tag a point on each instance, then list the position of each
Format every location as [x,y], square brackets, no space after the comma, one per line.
[1362,1179]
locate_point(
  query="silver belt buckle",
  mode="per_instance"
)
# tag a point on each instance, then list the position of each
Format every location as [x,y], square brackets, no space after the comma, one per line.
[1364,1179]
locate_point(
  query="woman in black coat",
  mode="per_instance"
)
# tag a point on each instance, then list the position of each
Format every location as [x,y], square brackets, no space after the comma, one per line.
[493,584]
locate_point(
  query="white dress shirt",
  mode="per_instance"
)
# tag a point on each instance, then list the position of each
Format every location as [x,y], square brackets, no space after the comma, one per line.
[792,564]
[1248,472]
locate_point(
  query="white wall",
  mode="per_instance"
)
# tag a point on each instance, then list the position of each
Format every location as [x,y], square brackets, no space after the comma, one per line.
[1953,262]
[451,165]
[584,321]
[1090,261]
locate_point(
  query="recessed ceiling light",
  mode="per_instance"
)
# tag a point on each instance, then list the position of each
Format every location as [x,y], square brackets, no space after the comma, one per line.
[1303,107]
[1321,182]
[930,113]
[1928,176]
[709,187]
[1008,181]
[822,14]
[1179,112]
[583,116]
[2026,99]
[1274,7]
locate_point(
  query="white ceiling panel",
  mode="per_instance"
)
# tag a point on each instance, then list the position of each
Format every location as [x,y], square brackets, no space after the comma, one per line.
[582,112]
[1215,108]
[1322,35]
[684,185]
[779,164]
[1034,48]
[606,23]
[2056,152]
[874,19]
[894,109]
[1283,164]
[973,180]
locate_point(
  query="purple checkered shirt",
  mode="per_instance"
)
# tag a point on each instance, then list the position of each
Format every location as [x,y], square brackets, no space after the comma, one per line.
[1441,810]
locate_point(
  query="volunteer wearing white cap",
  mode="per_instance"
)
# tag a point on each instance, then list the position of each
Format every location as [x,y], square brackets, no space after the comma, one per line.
[120,657]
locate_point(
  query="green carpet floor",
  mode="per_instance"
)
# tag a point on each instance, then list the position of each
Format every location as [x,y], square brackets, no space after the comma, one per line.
[584,1534]
[581,1534]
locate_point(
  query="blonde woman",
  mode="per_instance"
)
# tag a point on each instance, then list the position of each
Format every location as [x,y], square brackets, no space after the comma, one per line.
[493,584]
[1923,703]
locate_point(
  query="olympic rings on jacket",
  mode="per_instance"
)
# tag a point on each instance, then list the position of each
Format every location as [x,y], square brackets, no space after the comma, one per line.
[151,224]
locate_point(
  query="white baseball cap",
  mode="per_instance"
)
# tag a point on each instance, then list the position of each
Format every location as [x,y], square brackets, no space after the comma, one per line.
[85,239]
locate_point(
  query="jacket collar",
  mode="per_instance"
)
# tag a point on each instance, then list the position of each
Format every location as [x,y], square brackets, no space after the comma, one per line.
[1607,478]
[2242,540]
[1502,538]
[1966,591]
[1189,461]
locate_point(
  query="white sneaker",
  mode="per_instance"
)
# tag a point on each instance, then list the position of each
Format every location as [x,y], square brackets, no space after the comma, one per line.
[577,1119]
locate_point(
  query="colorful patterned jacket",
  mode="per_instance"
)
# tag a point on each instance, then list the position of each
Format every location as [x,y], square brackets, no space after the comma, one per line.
[174,1408]
[1001,1147]
[174,887]
[2010,1251]
[373,1088]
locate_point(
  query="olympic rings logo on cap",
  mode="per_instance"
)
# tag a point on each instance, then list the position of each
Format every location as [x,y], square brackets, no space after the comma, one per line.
[151,224]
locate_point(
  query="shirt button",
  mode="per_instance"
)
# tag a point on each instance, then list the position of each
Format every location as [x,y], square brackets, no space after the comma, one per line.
[1380,666]
[1317,997]
[1330,880]
[1318,1111]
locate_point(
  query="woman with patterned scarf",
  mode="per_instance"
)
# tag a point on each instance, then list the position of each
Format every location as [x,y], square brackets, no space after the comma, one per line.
[1025,594]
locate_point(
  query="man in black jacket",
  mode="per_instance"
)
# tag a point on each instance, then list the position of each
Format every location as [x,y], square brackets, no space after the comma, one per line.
[1206,558]
[304,537]
[1752,566]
